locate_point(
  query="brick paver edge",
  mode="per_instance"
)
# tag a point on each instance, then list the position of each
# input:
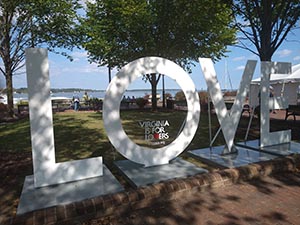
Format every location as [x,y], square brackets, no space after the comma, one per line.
[115,204]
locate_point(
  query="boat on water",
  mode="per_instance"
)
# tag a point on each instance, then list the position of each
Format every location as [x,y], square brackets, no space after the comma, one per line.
[3,99]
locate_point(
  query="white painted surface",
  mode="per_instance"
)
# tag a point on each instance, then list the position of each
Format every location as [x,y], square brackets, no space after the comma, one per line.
[228,119]
[46,170]
[266,137]
[111,111]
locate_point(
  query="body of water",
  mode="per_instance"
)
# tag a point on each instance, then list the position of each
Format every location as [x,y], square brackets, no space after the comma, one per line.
[98,94]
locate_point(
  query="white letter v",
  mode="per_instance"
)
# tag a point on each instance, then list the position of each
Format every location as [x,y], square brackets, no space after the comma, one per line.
[228,119]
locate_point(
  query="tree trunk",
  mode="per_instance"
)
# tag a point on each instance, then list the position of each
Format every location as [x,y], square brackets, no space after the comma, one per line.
[266,50]
[153,81]
[109,74]
[154,90]
[9,89]
[7,61]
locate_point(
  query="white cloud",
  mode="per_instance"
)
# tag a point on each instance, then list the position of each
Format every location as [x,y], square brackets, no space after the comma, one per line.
[87,68]
[240,68]
[77,56]
[92,68]
[297,58]
[76,59]
[284,53]
[239,58]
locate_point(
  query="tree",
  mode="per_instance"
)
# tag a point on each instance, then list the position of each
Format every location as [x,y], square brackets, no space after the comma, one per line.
[119,31]
[32,23]
[265,24]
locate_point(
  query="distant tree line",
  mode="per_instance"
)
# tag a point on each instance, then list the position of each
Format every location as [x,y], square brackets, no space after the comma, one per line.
[56,90]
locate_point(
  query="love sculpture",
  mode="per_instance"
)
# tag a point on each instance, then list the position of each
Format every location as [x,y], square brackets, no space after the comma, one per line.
[48,172]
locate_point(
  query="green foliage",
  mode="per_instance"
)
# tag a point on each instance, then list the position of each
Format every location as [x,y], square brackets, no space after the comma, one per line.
[168,95]
[96,103]
[35,23]
[119,31]
[141,102]
[106,29]
[179,96]
[23,102]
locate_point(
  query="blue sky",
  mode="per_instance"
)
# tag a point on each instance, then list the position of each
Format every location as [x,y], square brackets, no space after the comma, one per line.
[81,74]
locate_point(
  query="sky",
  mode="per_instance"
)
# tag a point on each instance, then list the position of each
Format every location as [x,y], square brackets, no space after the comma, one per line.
[81,74]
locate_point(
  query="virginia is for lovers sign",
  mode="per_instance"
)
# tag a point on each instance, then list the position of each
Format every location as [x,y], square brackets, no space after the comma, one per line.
[48,172]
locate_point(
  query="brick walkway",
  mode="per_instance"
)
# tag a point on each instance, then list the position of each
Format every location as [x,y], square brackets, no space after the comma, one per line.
[263,193]
[265,200]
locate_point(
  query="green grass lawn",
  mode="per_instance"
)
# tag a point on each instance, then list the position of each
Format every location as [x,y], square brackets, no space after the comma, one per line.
[82,135]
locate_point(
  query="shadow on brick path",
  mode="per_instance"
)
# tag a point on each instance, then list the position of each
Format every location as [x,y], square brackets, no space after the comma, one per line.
[264,200]
[262,193]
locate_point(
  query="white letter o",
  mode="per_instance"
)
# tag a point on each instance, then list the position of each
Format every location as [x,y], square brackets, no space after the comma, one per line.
[111,111]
